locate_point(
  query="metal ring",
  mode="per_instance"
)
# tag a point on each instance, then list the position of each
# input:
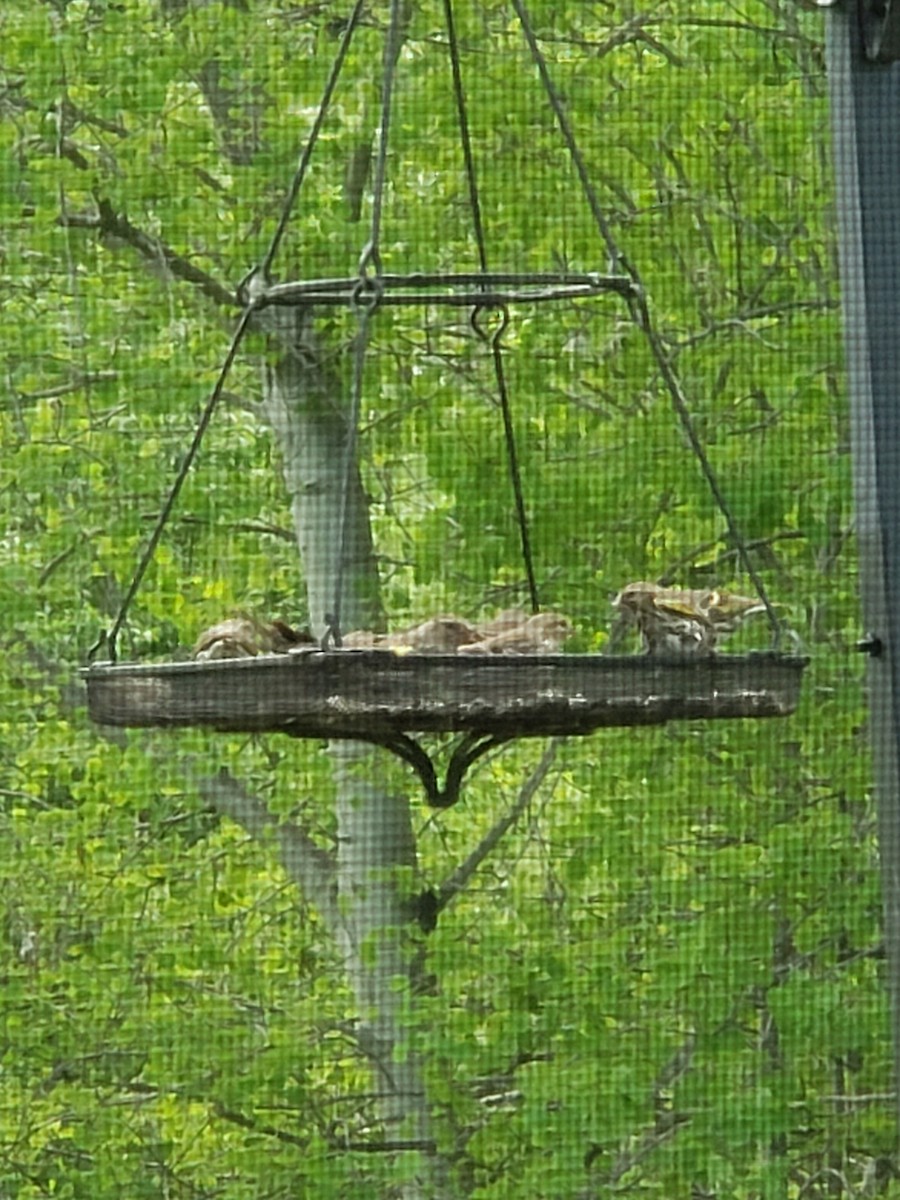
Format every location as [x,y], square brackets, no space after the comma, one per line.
[366,294]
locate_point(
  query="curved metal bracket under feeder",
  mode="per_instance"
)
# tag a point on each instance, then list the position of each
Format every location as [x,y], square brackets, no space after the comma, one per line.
[466,752]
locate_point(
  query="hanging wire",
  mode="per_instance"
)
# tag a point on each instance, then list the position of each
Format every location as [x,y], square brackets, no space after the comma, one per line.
[370,257]
[492,340]
[252,303]
[365,299]
[306,154]
[147,557]
[364,304]
[641,315]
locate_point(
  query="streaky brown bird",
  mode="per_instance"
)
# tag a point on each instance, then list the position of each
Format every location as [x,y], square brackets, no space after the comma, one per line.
[502,622]
[683,620]
[246,637]
[443,634]
[543,633]
[360,639]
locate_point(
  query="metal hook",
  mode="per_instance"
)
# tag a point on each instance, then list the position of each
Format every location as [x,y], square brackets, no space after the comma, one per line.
[492,339]
[332,635]
[369,264]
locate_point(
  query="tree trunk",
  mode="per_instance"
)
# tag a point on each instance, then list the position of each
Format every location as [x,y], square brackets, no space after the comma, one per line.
[376,860]
[307,413]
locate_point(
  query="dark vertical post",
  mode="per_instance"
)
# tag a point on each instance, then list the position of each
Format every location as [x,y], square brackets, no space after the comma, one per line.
[865,112]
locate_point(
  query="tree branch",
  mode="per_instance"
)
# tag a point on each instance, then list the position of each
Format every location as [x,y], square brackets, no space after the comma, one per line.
[672,571]
[464,872]
[113,224]
[305,863]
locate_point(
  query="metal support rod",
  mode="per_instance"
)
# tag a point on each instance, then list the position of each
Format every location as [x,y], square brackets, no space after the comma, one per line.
[621,283]
[865,107]
[401,289]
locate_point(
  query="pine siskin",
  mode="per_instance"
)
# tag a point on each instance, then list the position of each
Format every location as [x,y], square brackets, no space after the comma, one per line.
[511,632]
[361,639]
[726,611]
[665,628]
[543,633]
[246,637]
[502,622]
[443,634]
[683,621]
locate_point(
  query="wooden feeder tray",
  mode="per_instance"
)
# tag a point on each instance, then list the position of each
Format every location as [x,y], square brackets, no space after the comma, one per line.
[379,696]
[358,693]
[355,693]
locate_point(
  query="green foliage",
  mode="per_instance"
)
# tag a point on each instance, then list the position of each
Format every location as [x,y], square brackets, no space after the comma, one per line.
[668,976]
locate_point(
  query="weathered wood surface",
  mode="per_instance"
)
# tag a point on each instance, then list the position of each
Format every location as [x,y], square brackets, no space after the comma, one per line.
[350,693]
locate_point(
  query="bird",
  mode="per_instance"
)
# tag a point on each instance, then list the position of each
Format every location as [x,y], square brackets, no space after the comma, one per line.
[543,633]
[666,621]
[502,622]
[246,637]
[443,634]
[510,632]
[683,621]
[360,639]
[727,611]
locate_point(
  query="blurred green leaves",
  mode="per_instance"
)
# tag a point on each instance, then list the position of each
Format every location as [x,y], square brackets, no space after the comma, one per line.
[169,999]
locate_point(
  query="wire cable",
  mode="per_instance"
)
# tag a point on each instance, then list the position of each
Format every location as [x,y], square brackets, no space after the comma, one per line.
[492,340]
[642,317]
[251,304]
[365,298]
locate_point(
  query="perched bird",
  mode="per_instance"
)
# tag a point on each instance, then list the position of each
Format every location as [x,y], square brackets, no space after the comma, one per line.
[361,639]
[683,621]
[726,611]
[543,633]
[511,632]
[665,627]
[509,618]
[246,637]
[443,634]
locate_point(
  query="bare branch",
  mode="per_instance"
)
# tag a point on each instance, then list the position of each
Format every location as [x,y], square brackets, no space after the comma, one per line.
[83,380]
[309,866]
[275,531]
[112,224]
[464,872]
[672,572]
